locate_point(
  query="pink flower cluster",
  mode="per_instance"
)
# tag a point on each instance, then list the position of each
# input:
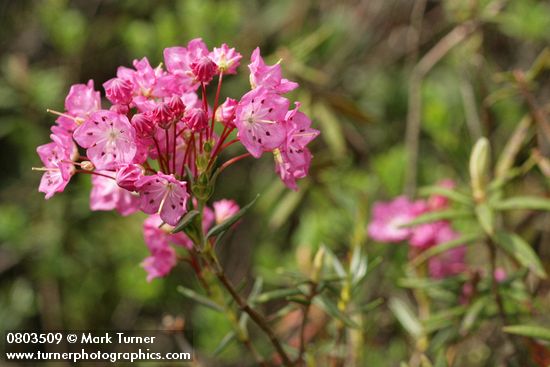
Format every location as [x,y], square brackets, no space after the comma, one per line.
[160,133]
[387,226]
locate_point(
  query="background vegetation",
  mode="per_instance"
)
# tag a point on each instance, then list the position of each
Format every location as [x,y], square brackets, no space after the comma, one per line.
[369,72]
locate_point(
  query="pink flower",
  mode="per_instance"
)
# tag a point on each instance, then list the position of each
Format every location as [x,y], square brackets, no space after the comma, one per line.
[127,176]
[118,90]
[447,264]
[224,209]
[107,195]
[269,77]
[294,158]
[157,234]
[226,112]
[57,158]
[388,217]
[259,119]
[226,58]
[500,275]
[178,61]
[109,139]
[160,263]
[288,170]
[437,202]
[165,195]
[82,100]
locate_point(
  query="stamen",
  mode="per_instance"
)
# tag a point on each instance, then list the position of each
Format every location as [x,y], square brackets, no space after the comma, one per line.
[78,120]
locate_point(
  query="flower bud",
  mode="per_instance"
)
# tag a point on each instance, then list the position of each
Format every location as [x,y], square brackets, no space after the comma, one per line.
[127,176]
[161,115]
[87,166]
[176,107]
[121,109]
[143,125]
[204,69]
[479,166]
[318,262]
[118,91]
[224,209]
[196,119]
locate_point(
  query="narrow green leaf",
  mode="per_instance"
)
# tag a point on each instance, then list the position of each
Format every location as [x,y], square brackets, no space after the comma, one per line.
[486,218]
[358,265]
[531,331]
[224,343]
[335,262]
[276,294]
[330,308]
[472,315]
[226,224]
[523,202]
[448,193]
[406,317]
[186,220]
[445,246]
[191,294]
[521,251]
[442,319]
[438,215]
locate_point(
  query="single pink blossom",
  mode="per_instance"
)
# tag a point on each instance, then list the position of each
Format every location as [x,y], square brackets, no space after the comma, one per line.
[388,218]
[500,275]
[291,168]
[224,209]
[57,157]
[107,195]
[165,195]
[160,263]
[259,119]
[128,174]
[269,77]
[227,59]
[109,138]
[82,100]
[118,90]
[226,112]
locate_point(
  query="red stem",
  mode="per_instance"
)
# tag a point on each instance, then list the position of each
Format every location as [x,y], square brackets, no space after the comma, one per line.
[161,161]
[216,100]
[94,173]
[174,151]
[167,150]
[233,160]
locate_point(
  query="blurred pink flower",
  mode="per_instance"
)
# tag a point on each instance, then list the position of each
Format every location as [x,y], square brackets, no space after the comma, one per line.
[388,217]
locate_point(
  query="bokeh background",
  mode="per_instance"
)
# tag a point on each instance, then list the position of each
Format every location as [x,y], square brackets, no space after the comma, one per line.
[65,267]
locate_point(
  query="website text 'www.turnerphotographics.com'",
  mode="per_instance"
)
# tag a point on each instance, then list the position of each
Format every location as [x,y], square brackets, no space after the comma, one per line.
[111,346]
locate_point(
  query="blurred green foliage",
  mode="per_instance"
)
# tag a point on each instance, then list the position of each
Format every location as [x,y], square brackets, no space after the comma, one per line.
[64,267]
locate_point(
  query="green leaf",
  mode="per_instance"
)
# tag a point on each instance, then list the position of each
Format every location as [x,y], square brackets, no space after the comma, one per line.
[191,294]
[448,193]
[335,262]
[531,331]
[358,265]
[438,215]
[523,202]
[521,251]
[224,343]
[406,317]
[276,294]
[186,220]
[472,314]
[330,308]
[486,218]
[226,224]
[445,246]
